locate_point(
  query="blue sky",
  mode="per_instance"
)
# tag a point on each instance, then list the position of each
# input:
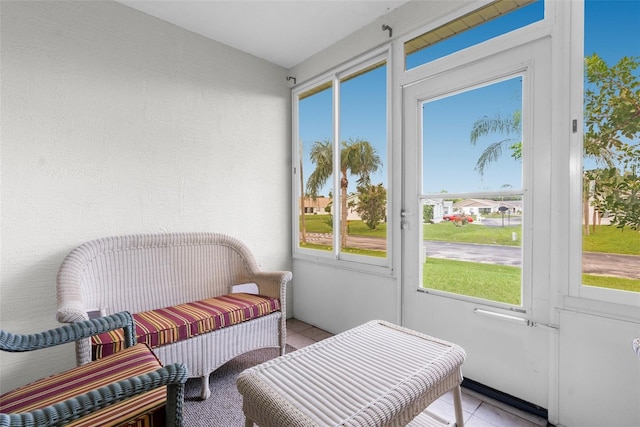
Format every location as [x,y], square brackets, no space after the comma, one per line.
[450,159]
[363,116]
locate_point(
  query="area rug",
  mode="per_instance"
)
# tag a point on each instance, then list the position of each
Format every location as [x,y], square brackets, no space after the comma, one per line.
[224,407]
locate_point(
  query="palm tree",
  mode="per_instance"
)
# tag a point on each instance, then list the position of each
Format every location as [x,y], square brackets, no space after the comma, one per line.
[357,157]
[508,125]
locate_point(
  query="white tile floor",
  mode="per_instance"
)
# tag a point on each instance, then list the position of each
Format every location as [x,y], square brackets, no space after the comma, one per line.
[479,410]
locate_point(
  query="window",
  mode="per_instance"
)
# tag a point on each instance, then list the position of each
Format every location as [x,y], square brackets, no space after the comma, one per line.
[341,178]
[472,192]
[495,19]
[611,147]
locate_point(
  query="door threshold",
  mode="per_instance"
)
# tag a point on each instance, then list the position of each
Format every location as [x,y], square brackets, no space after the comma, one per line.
[507,399]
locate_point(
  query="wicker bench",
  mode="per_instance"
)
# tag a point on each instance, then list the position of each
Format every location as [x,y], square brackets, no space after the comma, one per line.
[377,374]
[179,288]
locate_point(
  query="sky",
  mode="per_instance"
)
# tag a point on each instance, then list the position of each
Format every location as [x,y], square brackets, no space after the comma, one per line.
[449,159]
[612,30]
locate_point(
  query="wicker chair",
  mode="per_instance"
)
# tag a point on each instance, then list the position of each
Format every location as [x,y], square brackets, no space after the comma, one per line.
[119,389]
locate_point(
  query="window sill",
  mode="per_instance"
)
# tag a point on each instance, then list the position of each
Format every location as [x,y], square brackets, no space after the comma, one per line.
[627,311]
[361,267]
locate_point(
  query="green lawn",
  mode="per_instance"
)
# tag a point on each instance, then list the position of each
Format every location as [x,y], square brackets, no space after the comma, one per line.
[611,282]
[357,251]
[612,240]
[317,223]
[487,281]
[322,224]
[608,239]
[472,233]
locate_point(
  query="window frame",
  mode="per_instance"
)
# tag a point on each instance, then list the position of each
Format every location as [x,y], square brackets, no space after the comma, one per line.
[381,266]
[525,192]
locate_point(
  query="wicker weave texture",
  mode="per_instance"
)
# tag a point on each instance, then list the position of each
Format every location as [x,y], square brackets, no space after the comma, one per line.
[85,408]
[69,333]
[150,271]
[377,374]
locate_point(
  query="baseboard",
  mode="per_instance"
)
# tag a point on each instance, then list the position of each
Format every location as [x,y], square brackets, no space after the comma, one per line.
[505,398]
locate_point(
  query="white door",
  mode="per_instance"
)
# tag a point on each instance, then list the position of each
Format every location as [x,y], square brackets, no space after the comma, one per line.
[473,220]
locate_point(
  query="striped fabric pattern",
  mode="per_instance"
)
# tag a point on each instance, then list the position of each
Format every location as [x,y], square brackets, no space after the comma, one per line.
[143,412]
[127,363]
[166,325]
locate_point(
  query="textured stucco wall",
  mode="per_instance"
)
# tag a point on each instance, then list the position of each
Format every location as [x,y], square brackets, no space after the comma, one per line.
[114,122]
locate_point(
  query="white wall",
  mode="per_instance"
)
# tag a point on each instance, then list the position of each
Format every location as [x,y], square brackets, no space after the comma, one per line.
[114,122]
[599,377]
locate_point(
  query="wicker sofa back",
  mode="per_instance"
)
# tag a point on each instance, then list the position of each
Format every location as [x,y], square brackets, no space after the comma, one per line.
[138,273]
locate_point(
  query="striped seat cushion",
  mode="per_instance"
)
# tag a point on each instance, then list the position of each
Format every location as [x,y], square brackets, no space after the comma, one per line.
[145,409]
[171,324]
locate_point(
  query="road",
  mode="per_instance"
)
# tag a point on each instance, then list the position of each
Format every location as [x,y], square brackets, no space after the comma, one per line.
[487,254]
[625,266]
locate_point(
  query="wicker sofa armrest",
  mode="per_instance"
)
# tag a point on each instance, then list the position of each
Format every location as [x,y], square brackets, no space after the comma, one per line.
[272,283]
[71,311]
[69,333]
[173,376]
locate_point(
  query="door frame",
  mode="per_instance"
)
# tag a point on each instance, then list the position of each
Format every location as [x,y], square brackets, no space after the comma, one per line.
[511,336]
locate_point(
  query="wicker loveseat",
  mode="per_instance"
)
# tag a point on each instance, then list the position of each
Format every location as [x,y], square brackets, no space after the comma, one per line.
[178,286]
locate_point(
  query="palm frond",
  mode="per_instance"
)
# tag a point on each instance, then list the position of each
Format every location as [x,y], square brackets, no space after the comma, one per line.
[490,155]
[488,125]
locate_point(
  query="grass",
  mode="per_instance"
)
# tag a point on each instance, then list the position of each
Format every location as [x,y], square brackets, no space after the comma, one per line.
[470,233]
[356,251]
[487,281]
[619,283]
[317,224]
[612,240]
[321,224]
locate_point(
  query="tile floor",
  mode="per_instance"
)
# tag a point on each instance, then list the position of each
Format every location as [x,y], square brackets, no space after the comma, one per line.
[479,410]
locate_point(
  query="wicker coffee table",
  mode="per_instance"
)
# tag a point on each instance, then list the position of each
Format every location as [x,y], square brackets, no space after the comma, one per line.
[377,374]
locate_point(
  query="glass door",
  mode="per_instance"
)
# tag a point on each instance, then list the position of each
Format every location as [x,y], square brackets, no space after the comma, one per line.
[473,218]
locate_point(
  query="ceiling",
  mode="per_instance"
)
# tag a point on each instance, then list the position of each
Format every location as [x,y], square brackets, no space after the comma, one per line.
[285,32]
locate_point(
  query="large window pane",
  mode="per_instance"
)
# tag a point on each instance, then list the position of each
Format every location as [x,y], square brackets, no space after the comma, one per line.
[315,195]
[472,146]
[343,190]
[363,136]
[611,175]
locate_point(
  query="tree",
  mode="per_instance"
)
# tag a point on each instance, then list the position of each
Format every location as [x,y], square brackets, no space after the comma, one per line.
[427,213]
[372,204]
[506,125]
[357,157]
[612,140]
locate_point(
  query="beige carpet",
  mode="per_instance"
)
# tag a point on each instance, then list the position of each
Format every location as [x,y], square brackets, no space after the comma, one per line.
[224,407]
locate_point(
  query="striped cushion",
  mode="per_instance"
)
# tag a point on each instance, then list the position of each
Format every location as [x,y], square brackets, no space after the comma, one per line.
[170,324]
[128,363]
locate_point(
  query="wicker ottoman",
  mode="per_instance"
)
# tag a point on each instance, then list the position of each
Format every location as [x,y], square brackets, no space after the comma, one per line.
[377,374]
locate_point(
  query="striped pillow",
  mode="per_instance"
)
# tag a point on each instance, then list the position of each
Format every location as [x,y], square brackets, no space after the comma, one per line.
[171,324]
[147,408]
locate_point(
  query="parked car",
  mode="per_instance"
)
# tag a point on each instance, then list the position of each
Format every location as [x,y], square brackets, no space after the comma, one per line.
[456,217]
